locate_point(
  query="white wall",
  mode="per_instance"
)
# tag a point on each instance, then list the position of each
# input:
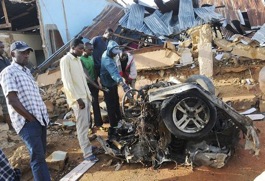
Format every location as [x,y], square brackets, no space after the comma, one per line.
[79,13]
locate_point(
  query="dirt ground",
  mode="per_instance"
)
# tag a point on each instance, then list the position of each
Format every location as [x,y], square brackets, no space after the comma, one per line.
[243,166]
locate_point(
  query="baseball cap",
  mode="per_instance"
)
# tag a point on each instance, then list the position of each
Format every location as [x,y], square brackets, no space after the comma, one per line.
[20,46]
[116,50]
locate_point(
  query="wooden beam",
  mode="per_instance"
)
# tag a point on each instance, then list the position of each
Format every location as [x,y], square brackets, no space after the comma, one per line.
[78,171]
[23,14]
[19,16]
[7,25]
[134,40]
[29,28]
[5,11]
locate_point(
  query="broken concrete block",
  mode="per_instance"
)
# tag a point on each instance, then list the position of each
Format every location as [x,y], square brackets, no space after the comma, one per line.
[66,124]
[57,160]
[224,44]
[186,56]
[60,101]
[262,80]
[248,51]
[21,159]
[49,78]
[241,102]
[205,51]
[49,106]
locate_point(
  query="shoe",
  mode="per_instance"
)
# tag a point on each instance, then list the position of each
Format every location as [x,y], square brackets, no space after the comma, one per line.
[92,158]
[90,131]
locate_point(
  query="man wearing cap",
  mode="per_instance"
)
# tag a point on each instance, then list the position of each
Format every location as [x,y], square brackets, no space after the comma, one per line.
[27,111]
[110,78]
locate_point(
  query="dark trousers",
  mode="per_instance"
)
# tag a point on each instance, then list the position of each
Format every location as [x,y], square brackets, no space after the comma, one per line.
[34,136]
[113,106]
[95,104]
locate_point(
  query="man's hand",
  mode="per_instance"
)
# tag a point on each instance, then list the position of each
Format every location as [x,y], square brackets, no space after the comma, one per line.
[125,87]
[105,89]
[81,103]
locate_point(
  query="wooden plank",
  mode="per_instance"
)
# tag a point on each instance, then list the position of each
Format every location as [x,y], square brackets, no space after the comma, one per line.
[134,40]
[29,28]
[5,11]
[2,26]
[78,171]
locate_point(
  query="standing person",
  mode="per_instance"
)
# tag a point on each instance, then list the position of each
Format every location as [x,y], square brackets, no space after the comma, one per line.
[100,45]
[78,95]
[127,69]
[27,111]
[88,63]
[110,78]
[4,62]
[6,171]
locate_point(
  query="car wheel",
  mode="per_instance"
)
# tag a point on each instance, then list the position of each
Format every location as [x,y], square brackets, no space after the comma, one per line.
[203,81]
[188,115]
[131,107]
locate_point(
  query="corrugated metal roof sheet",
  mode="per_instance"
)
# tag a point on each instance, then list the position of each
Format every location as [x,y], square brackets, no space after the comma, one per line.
[167,24]
[254,8]
[156,25]
[136,17]
[108,18]
[186,14]
[207,13]
[260,35]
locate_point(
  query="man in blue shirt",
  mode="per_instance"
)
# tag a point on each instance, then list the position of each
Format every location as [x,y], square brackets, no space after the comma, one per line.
[110,78]
[100,45]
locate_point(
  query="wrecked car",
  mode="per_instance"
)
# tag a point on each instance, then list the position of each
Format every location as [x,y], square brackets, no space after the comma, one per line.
[180,122]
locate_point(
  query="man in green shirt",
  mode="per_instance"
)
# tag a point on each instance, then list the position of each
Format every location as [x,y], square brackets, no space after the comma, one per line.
[88,63]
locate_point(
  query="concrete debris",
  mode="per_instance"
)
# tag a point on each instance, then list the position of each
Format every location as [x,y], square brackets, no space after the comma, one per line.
[262,80]
[205,51]
[20,159]
[186,56]
[49,78]
[57,160]
[55,100]
[66,124]
[249,51]
[107,164]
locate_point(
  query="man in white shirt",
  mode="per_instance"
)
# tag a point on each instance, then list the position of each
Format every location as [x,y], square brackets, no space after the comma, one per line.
[78,95]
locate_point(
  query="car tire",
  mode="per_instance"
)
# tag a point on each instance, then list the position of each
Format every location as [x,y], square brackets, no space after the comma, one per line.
[203,81]
[192,122]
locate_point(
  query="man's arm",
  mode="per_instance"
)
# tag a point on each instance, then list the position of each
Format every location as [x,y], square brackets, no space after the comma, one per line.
[13,100]
[89,78]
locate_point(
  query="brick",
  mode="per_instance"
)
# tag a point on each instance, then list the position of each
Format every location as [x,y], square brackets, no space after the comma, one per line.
[57,160]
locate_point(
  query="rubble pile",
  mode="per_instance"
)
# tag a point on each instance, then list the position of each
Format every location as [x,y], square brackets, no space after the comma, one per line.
[55,100]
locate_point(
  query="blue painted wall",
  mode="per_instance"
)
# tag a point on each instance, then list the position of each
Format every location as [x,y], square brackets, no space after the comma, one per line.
[79,13]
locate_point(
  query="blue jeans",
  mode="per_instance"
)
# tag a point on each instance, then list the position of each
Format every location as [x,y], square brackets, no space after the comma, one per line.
[34,136]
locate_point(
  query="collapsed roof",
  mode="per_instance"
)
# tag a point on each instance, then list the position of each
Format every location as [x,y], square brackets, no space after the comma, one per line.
[19,15]
[158,24]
